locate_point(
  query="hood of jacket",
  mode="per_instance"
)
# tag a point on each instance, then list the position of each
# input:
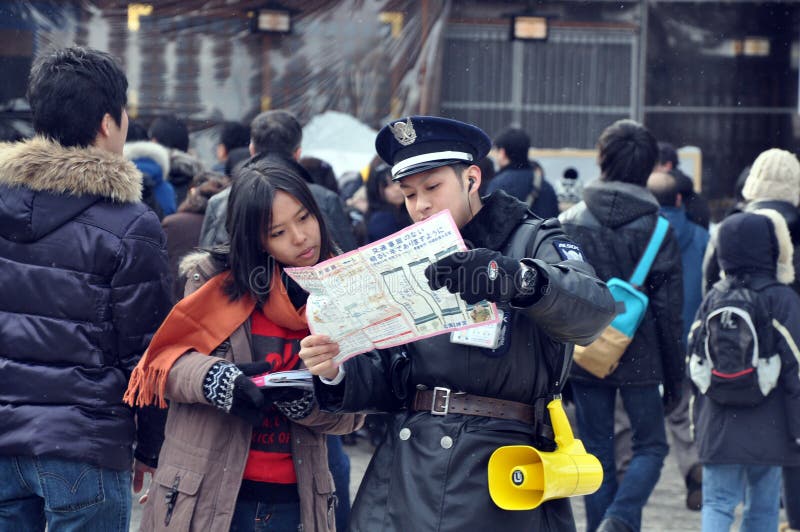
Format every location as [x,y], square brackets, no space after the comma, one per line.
[615,203]
[202,262]
[756,245]
[43,185]
[151,158]
[183,167]
[789,212]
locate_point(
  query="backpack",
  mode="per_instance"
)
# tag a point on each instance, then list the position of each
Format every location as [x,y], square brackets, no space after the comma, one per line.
[733,355]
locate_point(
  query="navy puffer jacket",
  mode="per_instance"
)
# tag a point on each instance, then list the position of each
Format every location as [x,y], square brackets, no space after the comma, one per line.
[83,287]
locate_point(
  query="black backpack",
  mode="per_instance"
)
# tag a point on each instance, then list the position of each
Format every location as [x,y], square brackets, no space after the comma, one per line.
[733,356]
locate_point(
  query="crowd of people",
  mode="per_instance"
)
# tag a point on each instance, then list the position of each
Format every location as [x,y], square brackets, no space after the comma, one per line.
[141,291]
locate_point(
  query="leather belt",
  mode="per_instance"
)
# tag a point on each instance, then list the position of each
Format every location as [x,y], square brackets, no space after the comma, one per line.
[443,401]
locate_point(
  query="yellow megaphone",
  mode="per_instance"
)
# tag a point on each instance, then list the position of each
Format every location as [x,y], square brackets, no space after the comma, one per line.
[522,478]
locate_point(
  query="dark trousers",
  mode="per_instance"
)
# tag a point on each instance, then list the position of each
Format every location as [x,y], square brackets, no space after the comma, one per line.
[339,464]
[594,409]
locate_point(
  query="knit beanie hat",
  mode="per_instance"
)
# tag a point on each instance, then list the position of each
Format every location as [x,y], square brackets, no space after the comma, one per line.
[775,175]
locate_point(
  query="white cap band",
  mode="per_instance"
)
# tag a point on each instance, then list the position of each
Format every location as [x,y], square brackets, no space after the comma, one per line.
[427,157]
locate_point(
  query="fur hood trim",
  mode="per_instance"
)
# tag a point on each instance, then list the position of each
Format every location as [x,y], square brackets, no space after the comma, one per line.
[145,149]
[495,222]
[198,259]
[785,268]
[45,165]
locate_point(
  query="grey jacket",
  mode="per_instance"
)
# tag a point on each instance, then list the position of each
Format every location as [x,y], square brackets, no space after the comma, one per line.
[205,450]
[214,233]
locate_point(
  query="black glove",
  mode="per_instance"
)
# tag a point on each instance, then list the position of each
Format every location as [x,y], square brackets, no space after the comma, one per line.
[229,389]
[294,403]
[282,394]
[255,368]
[481,274]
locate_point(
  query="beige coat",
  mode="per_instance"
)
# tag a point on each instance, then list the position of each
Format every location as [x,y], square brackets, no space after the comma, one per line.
[205,449]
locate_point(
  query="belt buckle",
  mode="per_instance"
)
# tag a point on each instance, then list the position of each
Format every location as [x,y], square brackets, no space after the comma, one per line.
[437,393]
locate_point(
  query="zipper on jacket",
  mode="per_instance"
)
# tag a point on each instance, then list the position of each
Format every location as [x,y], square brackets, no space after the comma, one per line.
[170,498]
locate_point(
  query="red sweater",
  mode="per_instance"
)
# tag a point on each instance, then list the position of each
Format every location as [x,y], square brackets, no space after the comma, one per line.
[269,465]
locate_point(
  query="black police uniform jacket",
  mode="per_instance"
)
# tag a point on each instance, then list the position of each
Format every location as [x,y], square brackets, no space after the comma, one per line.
[430,472]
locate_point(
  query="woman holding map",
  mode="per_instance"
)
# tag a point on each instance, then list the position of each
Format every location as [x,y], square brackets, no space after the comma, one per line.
[235,456]
[455,403]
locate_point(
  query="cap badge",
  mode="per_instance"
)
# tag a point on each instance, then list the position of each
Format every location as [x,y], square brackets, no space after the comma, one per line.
[492,270]
[404,132]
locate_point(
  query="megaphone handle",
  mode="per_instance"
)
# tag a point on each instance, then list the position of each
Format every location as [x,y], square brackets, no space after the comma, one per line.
[561,427]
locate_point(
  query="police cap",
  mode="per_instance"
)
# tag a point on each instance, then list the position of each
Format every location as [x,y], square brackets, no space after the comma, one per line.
[420,143]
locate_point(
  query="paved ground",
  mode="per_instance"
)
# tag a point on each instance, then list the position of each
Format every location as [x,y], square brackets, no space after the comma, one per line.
[666,511]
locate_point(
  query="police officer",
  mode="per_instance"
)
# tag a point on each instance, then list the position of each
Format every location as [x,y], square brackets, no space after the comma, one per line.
[430,473]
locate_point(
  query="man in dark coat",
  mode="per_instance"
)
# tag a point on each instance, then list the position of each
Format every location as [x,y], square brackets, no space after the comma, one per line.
[692,240]
[84,287]
[613,224]
[232,135]
[430,472]
[172,133]
[695,205]
[520,178]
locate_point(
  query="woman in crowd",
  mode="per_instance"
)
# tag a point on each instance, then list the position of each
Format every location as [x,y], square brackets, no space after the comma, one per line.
[237,456]
[386,213]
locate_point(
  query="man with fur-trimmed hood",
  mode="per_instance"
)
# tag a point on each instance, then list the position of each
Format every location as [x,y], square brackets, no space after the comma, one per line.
[152,159]
[773,182]
[84,287]
[755,252]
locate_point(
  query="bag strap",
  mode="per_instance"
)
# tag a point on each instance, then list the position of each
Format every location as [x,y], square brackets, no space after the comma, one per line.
[557,385]
[649,255]
[538,177]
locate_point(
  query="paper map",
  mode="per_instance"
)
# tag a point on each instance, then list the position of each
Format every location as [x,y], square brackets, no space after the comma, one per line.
[377,296]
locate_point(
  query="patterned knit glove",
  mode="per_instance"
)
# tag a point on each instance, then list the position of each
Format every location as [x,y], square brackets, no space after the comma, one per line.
[293,403]
[230,390]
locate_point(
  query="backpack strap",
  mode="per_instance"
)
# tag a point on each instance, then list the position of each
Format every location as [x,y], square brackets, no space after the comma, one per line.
[536,182]
[760,283]
[649,255]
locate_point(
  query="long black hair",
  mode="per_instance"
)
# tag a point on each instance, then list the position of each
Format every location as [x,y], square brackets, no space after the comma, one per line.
[248,219]
[379,178]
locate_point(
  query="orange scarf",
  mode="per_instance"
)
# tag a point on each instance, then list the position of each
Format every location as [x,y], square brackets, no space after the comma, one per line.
[201,322]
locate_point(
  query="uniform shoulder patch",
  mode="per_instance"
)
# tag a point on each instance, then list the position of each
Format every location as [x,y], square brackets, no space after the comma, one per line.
[569,250]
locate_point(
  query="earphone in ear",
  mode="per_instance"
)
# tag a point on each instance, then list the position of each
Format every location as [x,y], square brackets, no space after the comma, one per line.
[471,184]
